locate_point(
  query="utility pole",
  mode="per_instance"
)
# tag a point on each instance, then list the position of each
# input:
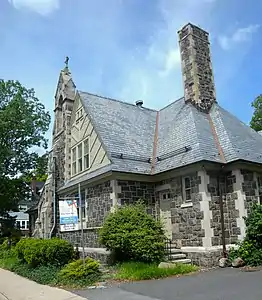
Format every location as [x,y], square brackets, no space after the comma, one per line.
[81,222]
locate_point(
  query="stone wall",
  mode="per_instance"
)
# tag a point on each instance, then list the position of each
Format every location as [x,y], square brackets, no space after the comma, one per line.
[99,204]
[131,191]
[230,212]
[90,238]
[196,67]
[206,259]
[186,220]
[250,188]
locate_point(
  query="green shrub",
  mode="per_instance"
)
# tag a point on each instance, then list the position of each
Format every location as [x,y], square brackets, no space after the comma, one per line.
[132,234]
[250,249]
[143,271]
[78,270]
[36,252]
[254,226]
[59,252]
[19,248]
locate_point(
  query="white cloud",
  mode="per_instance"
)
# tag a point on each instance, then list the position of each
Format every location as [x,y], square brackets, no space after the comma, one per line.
[160,68]
[241,35]
[43,7]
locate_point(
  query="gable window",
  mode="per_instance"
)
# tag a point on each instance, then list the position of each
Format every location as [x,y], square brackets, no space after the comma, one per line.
[86,154]
[80,157]
[74,161]
[79,115]
[187,189]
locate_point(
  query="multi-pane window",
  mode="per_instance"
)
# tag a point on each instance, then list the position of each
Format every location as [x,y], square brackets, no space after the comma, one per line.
[73,161]
[187,189]
[80,157]
[86,154]
[22,225]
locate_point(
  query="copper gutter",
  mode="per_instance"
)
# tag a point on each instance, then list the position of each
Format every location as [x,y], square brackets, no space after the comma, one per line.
[153,162]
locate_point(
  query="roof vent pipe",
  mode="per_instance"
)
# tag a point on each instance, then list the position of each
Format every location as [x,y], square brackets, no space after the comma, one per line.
[139,103]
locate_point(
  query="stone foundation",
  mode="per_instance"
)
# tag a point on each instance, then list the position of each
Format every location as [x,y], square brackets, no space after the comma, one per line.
[75,238]
[99,254]
[206,258]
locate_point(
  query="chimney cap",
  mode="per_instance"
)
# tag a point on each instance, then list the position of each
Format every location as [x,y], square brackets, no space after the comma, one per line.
[139,103]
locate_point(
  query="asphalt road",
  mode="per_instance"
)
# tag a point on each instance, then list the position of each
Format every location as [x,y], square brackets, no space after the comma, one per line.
[219,284]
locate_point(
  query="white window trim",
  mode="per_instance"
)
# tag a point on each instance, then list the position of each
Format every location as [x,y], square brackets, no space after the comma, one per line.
[77,157]
[79,115]
[88,141]
[184,190]
[73,161]
[164,192]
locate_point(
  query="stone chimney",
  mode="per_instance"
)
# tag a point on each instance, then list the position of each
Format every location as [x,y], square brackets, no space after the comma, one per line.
[197,67]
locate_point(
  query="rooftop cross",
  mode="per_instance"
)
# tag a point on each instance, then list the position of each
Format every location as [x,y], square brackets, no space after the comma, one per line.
[66,62]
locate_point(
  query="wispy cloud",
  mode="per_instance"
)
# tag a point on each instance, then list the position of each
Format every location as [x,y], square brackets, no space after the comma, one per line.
[241,35]
[43,7]
[160,66]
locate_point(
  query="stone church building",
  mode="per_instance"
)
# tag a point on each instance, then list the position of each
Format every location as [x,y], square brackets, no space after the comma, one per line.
[195,164]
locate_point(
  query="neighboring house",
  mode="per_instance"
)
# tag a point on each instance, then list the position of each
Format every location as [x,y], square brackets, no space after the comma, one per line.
[184,160]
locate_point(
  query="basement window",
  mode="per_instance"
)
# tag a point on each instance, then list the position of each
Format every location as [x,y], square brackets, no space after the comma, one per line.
[187,189]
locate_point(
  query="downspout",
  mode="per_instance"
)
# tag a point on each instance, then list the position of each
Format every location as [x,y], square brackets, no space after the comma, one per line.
[54,200]
[222,219]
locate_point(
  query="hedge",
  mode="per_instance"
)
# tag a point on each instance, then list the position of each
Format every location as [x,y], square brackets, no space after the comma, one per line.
[38,252]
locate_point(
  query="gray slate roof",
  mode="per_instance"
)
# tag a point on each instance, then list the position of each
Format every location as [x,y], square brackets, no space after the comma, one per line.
[127,129]
[184,135]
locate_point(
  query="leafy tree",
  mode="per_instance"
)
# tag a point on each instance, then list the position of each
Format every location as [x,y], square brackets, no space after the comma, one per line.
[40,171]
[256,121]
[23,124]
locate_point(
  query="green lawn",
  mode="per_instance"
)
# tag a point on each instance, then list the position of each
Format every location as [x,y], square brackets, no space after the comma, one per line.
[143,271]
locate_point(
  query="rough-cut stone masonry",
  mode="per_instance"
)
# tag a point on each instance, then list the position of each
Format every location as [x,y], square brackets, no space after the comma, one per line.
[196,67]
[90,238]
[249,187]
[206,259]
[186,221]
[230,212]
[132,191]
[103,258]
[259,187]
[99,204]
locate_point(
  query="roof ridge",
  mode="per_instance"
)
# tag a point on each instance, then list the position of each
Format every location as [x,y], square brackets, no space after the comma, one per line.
[172,103]
[217,107]
[112,99]
[155,144]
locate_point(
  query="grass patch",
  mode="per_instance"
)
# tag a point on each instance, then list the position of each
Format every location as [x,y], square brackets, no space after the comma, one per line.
[143,271]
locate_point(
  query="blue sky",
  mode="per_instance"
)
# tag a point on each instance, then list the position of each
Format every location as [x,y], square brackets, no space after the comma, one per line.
[128,49]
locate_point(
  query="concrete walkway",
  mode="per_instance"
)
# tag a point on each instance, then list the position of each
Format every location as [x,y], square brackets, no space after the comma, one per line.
[14,287]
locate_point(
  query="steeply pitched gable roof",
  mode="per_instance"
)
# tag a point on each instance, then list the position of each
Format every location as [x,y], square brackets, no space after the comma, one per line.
[185,135]
[124,129]
[239,141]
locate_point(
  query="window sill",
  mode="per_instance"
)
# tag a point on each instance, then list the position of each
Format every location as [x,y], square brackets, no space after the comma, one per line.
[187,204]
